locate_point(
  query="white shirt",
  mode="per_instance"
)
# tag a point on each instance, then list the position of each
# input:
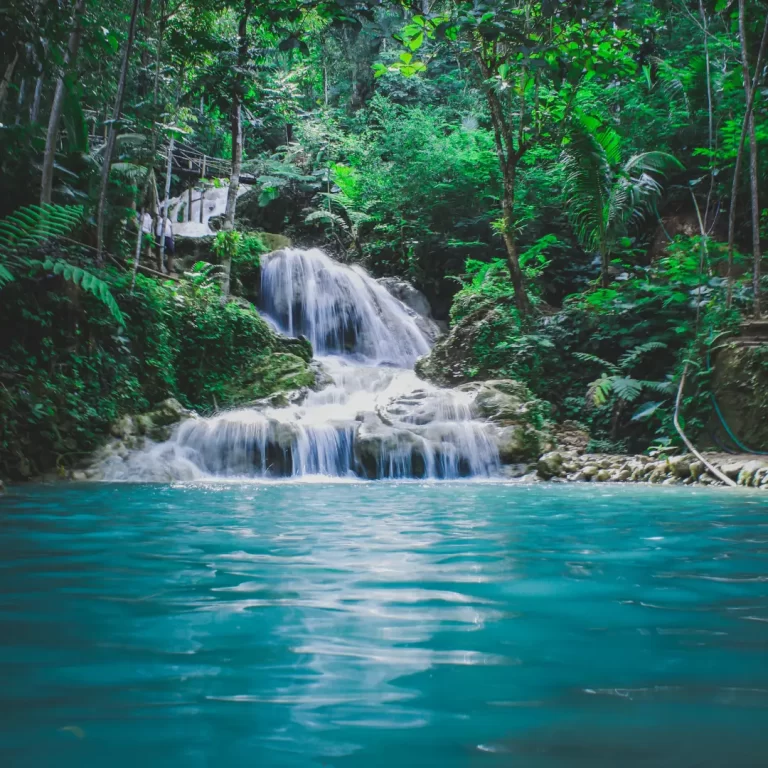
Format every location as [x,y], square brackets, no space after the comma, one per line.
[167,229]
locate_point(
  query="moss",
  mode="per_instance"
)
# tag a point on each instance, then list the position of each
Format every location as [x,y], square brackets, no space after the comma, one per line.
[276,372]
[740,386]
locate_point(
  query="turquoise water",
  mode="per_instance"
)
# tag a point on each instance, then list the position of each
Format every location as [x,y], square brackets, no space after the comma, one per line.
[383,624]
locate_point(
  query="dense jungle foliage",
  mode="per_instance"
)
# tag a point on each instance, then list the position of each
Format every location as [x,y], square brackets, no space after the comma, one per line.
[575,186]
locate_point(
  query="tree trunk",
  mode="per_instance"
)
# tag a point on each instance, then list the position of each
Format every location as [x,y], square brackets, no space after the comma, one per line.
[164,210]
[750,88]
[237,142]
[234,183]
[153,151]
[46,183]
[753,180]
[112,135]
[508,158]
[510,242]
[143,72]
[6,81]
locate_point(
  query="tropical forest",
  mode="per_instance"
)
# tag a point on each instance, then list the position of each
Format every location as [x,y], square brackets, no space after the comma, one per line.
[352,347]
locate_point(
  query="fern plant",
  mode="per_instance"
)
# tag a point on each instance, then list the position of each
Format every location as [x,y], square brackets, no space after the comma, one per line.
[29,227]
[604,197]
[617,383]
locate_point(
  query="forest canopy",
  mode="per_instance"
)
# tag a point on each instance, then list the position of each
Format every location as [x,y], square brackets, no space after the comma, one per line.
[579,188]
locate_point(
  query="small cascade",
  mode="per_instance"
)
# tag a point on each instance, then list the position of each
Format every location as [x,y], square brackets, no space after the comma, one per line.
[340,309]
[374,418]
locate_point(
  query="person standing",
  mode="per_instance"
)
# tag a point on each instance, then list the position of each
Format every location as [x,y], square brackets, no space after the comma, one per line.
[165,231]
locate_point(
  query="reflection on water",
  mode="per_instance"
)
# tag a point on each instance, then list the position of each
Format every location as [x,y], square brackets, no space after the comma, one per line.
[383,624]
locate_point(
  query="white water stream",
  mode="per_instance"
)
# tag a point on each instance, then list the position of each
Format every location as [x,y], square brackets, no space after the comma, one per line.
[374,418]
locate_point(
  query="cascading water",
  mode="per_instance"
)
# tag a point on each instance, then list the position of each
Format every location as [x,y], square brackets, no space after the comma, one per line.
[373,419]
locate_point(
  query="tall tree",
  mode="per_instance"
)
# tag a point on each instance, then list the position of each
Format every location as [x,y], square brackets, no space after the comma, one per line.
[70,59]
[750,91]
[236,127]
[109,150]
[532,58]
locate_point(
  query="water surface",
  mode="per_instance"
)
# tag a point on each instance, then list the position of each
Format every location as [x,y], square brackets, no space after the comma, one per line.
[381,624]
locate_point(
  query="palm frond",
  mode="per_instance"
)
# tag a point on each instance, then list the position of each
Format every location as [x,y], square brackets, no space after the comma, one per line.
[651,162]
[587,186]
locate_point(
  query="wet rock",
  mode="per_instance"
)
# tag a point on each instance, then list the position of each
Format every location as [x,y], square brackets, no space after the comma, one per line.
[169,411]
[681,466]
[451,358]
[696,469]
[747,473]
[602,476]
[413,298]
[623,475]
[503,401]
[657,475]
[590,471]
[2,487]
[123,427]
[375,442]
[551,465]
[79,476]
[732,468]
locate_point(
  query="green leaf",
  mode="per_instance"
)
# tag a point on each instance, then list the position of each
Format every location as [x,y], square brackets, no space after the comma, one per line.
[646,411]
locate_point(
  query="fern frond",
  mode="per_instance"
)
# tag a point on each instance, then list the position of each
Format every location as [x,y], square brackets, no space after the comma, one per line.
[631,358]
[585,357]
[661,387]
[626,388]
[5,276]
[326,217]
[646,410]
[88,282]
[32,225]
[600,389]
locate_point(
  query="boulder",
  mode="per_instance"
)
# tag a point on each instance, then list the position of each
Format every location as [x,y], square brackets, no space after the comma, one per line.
[451,360]
[681,465]
[375,440]
[732,468]
[417,303]
[747,474]
[550,465]
[504,401]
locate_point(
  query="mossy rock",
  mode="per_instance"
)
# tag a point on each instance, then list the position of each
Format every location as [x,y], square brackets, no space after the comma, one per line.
[274,242]
[740,385]
[276,372]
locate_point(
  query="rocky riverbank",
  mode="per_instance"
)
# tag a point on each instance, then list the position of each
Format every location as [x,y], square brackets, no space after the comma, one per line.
[746,470]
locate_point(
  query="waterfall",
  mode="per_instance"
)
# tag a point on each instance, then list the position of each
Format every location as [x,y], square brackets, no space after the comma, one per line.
[375,419]
[339,309]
